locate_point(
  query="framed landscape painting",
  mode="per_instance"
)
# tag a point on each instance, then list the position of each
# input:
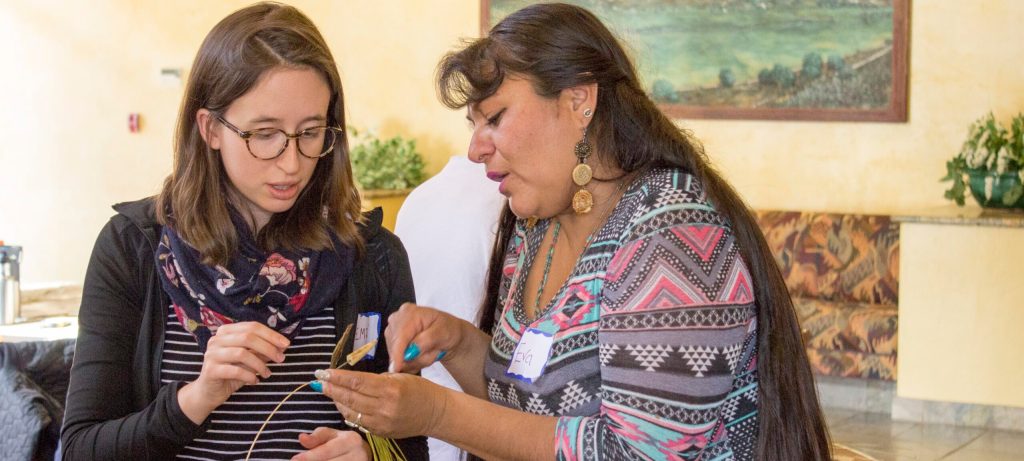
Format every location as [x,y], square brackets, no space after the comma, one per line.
[836,60]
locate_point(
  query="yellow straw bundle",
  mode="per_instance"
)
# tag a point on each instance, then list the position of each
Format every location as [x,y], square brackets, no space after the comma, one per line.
[384,449]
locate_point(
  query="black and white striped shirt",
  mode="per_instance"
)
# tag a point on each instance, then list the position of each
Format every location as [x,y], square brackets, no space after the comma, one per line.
[234,424]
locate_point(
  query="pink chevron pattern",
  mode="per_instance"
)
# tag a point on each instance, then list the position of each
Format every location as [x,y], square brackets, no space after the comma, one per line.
[654,336]
[702,239]
[664,287]
[690,266]
[739,289]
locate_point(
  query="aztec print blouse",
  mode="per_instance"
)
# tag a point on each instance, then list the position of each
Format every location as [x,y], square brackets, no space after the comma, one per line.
[654,333]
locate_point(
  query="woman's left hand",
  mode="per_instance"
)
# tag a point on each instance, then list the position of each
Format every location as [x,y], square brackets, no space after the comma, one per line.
[395,405]
[334,445]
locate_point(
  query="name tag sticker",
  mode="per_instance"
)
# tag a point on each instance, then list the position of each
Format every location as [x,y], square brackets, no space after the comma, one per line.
[367,330]
[531,355]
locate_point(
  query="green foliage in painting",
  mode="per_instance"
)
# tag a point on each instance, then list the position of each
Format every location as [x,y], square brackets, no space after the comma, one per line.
[664,91]
[726,78]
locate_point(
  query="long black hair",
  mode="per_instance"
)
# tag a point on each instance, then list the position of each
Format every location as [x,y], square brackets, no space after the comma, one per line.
[559,46]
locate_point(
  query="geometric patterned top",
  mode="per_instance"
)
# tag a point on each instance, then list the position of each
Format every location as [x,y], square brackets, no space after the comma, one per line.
[654,352]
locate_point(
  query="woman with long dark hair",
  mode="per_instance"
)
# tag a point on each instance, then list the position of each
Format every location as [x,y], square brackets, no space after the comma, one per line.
[205,306]
[635,310]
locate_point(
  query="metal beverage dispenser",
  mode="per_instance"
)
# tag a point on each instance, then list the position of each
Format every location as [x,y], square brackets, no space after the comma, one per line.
[10,284]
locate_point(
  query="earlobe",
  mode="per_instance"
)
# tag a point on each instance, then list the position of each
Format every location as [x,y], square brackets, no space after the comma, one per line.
[204,120]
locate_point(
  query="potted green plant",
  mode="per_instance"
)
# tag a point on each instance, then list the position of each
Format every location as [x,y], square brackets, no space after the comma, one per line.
[990,163]
[385,164]
[386,170]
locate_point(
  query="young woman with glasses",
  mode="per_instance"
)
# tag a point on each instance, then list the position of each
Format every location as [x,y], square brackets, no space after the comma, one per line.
[205,306]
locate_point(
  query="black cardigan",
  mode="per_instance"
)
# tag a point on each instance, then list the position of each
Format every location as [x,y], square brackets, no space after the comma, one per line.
[116,406]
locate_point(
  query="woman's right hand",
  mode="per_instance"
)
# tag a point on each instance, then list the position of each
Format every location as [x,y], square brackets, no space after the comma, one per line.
[235,356]
[418,336]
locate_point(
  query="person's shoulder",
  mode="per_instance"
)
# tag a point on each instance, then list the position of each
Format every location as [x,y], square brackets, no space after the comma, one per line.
[670,197]
[670,188]
[133,230]
[460,192]
[378,239]
[132,219]
[141,213]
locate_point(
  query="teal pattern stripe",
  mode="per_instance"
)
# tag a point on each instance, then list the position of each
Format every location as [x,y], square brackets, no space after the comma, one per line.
[654,353]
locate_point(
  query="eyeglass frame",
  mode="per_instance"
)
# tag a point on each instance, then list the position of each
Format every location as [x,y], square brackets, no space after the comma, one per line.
[246,134]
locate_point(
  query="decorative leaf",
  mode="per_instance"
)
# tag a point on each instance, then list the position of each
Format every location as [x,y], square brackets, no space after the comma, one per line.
[1011,196]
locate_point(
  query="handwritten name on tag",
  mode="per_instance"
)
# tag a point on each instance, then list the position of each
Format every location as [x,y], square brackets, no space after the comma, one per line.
[530,356]
[367,331]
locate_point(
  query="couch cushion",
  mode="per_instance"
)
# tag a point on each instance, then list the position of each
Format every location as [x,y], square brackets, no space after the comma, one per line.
[835,257]
[848,364]
[859,327]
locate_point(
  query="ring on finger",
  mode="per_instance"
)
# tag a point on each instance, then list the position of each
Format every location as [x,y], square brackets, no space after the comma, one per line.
[355,424]
[360,427]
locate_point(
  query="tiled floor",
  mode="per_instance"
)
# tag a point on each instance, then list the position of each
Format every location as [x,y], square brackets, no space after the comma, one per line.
[878,436]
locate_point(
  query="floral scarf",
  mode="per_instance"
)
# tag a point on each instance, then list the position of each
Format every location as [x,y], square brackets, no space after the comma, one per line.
[280,289]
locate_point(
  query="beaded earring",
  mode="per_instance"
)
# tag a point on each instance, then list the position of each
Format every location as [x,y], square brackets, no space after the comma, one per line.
[583,200]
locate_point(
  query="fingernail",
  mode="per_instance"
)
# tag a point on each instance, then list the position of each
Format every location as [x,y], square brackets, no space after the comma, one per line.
[440,356]
[322,375]
[316,386]
[411,352]
[391,367]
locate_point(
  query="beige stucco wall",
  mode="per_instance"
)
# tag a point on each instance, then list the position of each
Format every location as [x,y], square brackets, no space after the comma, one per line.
[74,70]
[961,307]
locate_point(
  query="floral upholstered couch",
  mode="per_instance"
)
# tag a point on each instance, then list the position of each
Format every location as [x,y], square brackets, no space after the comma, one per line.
[843,273]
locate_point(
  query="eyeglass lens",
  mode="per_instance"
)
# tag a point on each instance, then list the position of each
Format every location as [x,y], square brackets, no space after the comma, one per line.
[268,143]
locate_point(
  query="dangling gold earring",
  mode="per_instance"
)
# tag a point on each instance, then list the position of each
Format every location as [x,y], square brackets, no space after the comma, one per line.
[583,200]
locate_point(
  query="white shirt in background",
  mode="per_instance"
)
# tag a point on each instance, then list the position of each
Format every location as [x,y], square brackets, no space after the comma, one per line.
[448,225]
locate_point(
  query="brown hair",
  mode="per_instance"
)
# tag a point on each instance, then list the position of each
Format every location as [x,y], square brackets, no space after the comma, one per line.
[231,60]
[559,46]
